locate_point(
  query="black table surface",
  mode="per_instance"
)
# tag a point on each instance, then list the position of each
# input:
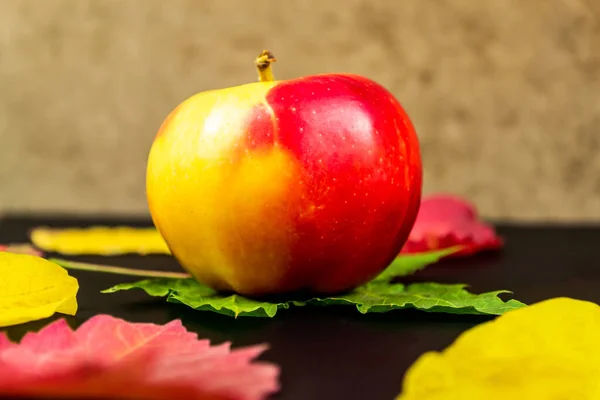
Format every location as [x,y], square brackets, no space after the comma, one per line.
[336,352]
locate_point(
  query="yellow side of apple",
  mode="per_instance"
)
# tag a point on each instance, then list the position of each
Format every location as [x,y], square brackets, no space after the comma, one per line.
[212,199]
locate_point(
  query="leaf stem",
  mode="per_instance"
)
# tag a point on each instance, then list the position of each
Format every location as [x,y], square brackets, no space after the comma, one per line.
[110,269]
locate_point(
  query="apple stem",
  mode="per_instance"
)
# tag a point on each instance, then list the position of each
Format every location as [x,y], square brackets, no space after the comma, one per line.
[109,269]
[263,65]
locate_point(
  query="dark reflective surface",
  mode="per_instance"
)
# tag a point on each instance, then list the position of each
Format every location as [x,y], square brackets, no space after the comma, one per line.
[338,353]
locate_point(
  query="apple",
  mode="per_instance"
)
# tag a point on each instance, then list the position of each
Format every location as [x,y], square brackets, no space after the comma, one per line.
[273,187]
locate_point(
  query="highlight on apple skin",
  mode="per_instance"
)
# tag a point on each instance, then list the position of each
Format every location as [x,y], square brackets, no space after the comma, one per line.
[273,187]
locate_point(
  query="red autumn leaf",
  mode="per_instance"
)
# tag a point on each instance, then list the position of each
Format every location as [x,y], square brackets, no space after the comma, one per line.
[111,358]
[446,221]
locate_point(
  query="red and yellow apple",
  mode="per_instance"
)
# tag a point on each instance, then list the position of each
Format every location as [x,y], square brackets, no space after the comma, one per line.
[277,186]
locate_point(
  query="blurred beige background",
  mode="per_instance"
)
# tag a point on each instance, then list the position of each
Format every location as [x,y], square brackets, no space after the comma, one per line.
[505,94]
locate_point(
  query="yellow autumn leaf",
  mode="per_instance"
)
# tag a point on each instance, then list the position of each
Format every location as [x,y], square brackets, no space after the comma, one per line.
[100,240]
[546,351]
[33,288]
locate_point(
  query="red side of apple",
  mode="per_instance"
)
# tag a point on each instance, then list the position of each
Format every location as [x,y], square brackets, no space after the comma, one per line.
[348,210]
[361,167]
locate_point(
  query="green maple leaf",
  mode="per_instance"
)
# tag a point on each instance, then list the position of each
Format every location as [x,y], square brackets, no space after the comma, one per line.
[377,296]
[380,295]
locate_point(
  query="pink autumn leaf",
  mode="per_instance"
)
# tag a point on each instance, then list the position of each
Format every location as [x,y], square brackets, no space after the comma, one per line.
[446,221]
[111,358]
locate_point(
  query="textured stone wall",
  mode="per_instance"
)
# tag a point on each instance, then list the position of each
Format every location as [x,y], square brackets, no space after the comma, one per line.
[505,94]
